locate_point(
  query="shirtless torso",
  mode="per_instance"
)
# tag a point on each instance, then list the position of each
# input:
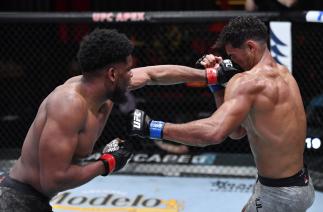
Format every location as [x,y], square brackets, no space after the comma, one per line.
[276,123]
[28,169]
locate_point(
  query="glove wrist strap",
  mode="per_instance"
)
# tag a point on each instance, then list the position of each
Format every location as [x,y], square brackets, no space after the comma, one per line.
[156,129]
[109,163]
[211,76]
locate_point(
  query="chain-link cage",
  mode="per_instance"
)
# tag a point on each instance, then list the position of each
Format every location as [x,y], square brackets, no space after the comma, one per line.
[36,57]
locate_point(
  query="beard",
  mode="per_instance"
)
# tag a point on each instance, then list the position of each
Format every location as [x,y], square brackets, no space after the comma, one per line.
[119,96]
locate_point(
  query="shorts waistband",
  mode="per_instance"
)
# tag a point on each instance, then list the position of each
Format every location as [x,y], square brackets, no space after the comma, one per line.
[301,178]
[24,188]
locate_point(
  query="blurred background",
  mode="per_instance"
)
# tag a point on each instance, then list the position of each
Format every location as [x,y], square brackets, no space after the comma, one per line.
[39,53]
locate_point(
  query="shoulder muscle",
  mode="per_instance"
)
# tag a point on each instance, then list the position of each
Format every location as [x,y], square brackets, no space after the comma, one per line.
[244,84]
[68,109]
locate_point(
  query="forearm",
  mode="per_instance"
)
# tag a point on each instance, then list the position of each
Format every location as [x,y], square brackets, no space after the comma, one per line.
[173,74]
[165,75]
[195,133]
[72,177]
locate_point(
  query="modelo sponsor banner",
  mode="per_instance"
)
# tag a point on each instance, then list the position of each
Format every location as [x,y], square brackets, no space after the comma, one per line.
[155,194]
[280,43]
[111,202]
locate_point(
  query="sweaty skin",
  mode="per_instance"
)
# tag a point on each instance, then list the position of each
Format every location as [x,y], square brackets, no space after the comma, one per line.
[70,120]
[266,102]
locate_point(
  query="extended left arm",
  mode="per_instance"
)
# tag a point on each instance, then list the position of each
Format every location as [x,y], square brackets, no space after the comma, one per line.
[165,75]
[174,74]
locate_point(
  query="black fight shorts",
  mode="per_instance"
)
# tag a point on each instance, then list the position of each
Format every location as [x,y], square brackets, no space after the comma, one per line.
[19,197]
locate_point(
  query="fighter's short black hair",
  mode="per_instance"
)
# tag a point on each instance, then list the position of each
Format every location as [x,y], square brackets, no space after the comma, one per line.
[242,28]
[101,48]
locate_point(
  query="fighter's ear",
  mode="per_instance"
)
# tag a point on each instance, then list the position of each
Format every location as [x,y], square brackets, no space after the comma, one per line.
[251,45]
[111,74]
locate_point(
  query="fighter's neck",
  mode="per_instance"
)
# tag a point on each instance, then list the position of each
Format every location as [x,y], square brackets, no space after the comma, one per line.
[267,59]
[94,93]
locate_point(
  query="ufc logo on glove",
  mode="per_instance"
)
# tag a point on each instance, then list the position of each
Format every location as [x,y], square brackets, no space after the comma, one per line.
[137,122]
[144,127]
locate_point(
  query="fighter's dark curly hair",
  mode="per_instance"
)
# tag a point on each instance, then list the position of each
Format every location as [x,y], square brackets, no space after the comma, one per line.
[242,28]
[101,48]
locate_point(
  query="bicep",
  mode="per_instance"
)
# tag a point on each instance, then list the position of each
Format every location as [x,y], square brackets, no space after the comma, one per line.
[231,114]
[59,139]
[57,146]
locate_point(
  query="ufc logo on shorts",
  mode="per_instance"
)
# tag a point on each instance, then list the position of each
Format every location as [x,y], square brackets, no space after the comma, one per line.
[258,204]
[136,119]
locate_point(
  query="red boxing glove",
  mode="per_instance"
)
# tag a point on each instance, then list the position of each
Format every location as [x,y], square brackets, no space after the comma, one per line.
[211,76]
[109,163]
[116,155]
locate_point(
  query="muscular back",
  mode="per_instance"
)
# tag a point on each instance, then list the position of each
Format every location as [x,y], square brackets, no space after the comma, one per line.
[276,123]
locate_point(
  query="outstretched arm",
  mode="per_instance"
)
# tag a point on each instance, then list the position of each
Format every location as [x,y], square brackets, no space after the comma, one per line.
[174,74]
[165,75]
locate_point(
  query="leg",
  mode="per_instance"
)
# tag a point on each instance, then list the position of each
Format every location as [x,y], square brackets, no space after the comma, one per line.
[250,204]
[280,199]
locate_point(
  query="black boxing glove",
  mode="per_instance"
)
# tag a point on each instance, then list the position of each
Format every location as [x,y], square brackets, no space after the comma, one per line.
[198,63]
[116,155]
[221,74]
[143,126]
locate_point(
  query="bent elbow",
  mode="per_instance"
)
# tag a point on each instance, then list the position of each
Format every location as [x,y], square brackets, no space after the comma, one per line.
[214,138]
[237,137]
[238,134]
